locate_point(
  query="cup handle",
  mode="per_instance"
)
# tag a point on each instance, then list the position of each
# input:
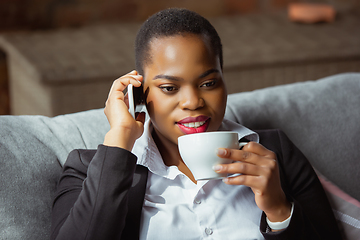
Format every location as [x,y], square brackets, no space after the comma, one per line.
[242,144]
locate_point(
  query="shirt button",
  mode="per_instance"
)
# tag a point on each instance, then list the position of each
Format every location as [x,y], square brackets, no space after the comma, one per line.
[208,231]
[197,201]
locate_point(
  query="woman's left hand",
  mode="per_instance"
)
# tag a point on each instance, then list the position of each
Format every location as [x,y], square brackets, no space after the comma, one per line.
[259,171]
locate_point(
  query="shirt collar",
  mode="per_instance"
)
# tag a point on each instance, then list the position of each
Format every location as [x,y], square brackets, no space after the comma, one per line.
[149,156]
[147,152]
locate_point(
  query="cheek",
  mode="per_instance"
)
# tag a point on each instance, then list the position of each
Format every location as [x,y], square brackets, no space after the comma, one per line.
[218,101]
[158,106]
[150,97]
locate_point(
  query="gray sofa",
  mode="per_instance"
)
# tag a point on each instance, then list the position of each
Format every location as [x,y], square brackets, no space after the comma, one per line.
[321,117]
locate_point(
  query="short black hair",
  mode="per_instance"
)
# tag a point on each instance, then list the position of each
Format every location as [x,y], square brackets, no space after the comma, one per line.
[170,22]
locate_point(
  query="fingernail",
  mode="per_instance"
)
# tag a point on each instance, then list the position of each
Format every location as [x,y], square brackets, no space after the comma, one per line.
[217,168]
[225,180]
[221,152]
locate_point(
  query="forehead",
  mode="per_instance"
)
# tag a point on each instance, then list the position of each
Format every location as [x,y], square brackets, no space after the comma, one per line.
[181,49]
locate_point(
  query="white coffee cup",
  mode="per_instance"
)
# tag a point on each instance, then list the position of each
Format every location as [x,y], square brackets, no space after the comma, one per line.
[198,151]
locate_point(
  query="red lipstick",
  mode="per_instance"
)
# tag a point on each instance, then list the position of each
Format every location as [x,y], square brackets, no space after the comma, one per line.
[191,125]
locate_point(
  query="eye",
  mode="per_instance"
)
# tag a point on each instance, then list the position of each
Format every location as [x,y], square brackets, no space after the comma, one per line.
[168,89]
[209,84]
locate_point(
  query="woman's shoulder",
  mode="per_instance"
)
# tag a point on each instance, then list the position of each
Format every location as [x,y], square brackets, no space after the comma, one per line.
[79,159]
[277,141]
[271,135]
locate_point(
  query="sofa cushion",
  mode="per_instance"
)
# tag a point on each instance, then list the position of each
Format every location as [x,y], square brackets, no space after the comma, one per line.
[31,151]
[346,209]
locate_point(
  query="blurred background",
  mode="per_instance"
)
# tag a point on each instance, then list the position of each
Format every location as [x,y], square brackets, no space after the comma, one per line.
[61,56]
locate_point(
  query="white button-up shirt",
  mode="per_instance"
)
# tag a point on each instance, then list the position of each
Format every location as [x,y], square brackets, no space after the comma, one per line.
[177,208]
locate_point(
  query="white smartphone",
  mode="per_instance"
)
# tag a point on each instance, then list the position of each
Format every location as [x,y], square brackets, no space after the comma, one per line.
[136,99]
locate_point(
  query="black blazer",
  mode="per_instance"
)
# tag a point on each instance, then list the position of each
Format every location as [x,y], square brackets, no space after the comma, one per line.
[98,198]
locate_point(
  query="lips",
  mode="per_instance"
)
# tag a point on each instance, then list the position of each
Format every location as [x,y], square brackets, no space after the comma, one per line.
[191,125]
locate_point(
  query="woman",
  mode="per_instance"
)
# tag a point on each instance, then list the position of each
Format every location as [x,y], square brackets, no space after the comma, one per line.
[149,193]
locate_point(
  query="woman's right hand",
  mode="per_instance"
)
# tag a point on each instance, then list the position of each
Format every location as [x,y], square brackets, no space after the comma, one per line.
[124,129]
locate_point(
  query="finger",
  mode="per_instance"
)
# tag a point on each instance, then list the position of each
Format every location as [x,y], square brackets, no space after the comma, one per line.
[245,162]
[237,155]
[134,74]
[258,184]
[114,96]
[248,153]
[259,149]
[247,180]
[140,117]
[117,95]
[121,83]
[239,168]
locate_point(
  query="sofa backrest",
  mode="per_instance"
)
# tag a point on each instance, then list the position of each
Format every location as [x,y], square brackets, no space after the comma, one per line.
[320,117]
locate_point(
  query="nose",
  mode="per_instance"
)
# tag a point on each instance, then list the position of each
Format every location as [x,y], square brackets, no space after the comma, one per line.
[190,99]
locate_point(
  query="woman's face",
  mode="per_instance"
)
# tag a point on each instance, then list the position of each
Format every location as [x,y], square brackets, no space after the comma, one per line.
[184,87]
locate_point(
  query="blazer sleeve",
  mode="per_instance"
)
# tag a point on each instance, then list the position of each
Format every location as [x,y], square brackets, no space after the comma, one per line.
[93,184]
[312,216]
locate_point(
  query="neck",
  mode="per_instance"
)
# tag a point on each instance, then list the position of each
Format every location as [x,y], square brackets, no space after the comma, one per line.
[170,154]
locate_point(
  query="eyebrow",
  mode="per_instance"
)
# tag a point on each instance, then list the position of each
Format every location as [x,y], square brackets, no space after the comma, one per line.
[208,72]
[168,77]
[174,78]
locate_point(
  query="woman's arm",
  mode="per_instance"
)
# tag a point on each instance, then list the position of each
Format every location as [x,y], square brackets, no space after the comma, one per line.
[312,217]
[91,199]
[278,173]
